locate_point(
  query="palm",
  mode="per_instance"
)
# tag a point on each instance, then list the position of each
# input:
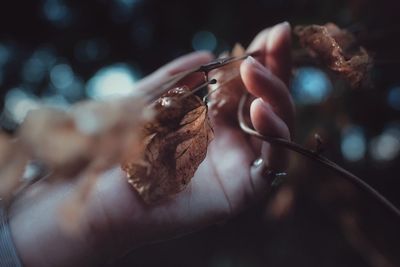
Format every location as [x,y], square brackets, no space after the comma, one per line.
[116,216]
[219,188]
[227,169]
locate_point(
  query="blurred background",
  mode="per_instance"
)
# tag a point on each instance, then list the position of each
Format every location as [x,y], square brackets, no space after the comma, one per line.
[57,52]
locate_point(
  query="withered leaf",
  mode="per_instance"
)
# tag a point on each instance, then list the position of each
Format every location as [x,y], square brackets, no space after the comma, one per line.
[50,136]
[90,137]
[176,143]
[337,49]
[229,88]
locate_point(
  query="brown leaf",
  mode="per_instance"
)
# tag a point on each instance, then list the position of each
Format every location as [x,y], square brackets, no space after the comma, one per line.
[83,141]
[228,90]
[176,143]
[50,136]
[336,48]
[90,137]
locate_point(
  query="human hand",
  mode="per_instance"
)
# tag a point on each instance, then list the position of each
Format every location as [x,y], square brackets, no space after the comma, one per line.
[115,219]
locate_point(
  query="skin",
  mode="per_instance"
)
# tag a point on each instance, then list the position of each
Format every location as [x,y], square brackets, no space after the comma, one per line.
[115,220]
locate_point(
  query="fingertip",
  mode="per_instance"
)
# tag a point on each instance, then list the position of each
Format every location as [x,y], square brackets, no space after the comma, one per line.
[246,73]
[275,45]
[266,121]
[245,68]
[278,51]
[258,44]
[254,76]
[278,35]
[249,68]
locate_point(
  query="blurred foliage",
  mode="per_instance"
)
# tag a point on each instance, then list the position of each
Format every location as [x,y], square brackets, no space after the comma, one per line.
[50,50]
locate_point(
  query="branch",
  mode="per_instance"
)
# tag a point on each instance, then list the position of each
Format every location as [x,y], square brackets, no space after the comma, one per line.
[315,156]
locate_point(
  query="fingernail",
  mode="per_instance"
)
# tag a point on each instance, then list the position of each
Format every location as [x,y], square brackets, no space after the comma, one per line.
[257,65]
[250,60]
[276,32]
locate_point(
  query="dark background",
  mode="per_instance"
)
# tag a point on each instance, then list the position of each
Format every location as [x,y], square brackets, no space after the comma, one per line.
[315,218]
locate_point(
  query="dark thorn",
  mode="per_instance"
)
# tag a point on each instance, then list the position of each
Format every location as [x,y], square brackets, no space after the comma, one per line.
[319,147]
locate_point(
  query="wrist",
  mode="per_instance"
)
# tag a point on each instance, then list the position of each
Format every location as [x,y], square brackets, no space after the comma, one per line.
[8,253]
[39,239]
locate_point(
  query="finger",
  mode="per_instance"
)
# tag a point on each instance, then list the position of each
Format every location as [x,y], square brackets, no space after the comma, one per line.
[176,66]
[266,122]
[275,47]
[260,82]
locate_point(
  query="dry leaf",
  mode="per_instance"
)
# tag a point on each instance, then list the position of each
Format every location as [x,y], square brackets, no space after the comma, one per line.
[229,88]
[85,140]
[90,137]
[176,143]
[50,136]
[334,47]
[82,142]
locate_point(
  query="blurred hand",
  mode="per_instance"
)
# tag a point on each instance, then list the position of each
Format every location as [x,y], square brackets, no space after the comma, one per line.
[116,220]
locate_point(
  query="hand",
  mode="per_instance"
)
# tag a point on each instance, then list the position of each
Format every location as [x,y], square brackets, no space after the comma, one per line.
[116,219]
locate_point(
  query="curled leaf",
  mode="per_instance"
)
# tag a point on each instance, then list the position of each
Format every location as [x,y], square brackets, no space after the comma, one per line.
[176,143]
[90,137]
[336,48]
[83,141]
[50,136]
[227,91]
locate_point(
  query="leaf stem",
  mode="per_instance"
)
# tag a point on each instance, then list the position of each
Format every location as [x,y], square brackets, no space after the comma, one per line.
[315,157]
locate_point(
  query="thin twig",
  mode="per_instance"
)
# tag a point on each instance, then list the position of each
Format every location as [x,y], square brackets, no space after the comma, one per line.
[154,94]
[316,157]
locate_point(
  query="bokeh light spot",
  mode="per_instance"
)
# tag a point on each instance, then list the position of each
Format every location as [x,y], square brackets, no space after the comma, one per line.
[5,55]
[18,103]
[91,50]
[122,10]
[393,98]
[34,70]
[353,145]
[128,3]
[204,40]
[386,147]
[55,101]
[57,12]
[142,33]
[311,86]
[62,76]
[111,82]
